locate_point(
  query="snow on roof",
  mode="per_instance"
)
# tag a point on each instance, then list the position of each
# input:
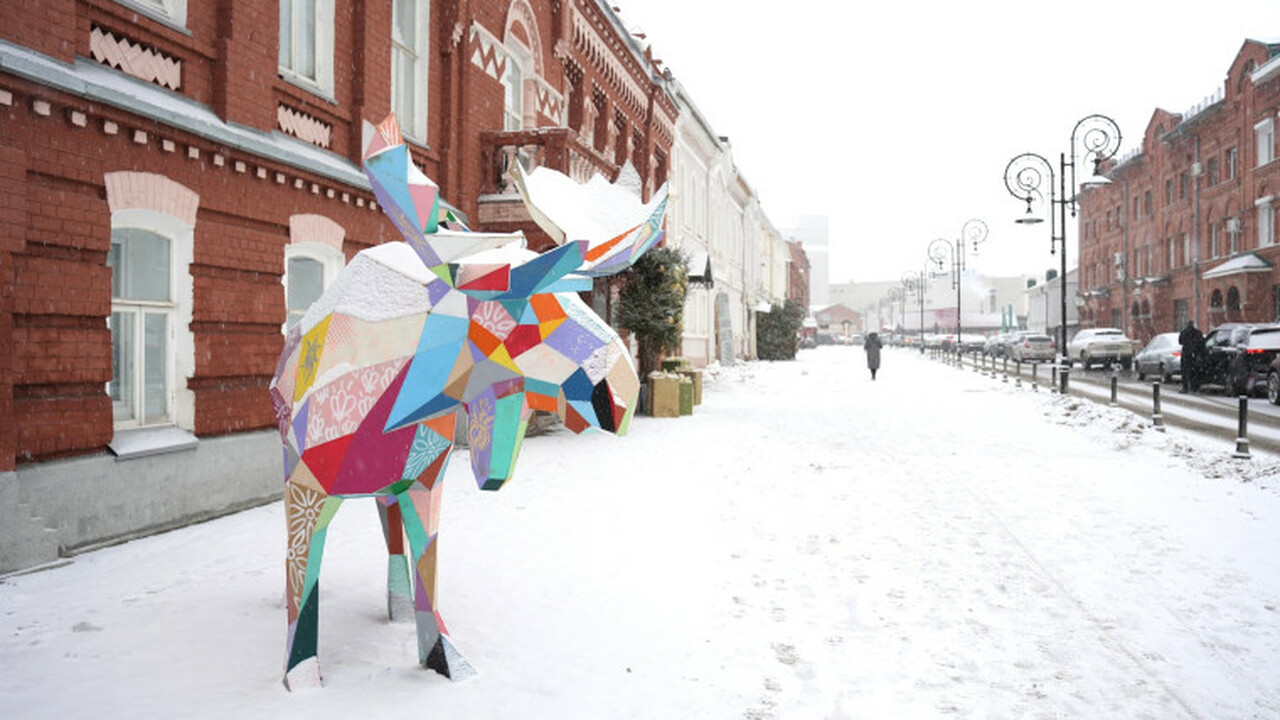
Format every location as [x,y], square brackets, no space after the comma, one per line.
[1248,262]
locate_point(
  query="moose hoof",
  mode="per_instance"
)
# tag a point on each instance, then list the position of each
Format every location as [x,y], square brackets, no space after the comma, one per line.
[445,659]
[305,674]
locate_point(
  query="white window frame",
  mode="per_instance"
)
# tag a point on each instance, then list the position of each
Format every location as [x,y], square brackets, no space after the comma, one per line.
[1215,240]
[173,12]
[1266,222]
[1264,134]
[180,348]
[331,261]
[519,63]
[322,81]
[413,119]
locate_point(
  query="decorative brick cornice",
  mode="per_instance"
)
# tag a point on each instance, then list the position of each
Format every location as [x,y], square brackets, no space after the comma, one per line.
[134,59]
[86,117]
[303,126]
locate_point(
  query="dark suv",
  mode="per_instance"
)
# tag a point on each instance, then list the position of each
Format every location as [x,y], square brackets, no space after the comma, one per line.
[1238,357]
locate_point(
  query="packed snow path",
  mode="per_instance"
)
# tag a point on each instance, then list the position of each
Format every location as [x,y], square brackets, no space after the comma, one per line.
[809,544]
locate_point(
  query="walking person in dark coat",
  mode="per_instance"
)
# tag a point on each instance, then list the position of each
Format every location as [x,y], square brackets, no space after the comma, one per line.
[872,348]
[1192,342]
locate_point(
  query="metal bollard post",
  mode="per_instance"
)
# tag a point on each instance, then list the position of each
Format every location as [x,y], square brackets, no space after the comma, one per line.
[1035,367]
[1066,370]
[1242,439]
[1156,418]
[1114,382]
[1053,378]
[1006,369]
[1017,368]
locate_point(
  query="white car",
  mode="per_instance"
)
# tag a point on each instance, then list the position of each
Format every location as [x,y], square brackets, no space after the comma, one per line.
[1031,347]
[1100,346]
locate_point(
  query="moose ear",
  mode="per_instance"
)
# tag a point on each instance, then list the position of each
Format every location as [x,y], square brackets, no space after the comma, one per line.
[610,217]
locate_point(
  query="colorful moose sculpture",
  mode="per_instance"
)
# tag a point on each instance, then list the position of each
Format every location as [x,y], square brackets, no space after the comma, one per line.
[371,380]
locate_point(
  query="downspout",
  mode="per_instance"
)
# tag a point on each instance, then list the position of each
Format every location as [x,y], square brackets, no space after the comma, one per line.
[1124,279]
[1195,231]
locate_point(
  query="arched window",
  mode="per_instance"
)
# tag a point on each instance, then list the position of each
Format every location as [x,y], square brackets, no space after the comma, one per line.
[1215,301]
[312,260]
[1136,312]
[1233,299]
[152,347]
[141,317]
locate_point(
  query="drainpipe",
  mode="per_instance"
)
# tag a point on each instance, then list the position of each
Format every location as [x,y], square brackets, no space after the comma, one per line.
[1195,232]
[1124,279]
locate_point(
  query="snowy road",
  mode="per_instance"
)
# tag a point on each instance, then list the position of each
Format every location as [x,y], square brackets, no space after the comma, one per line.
[809,544]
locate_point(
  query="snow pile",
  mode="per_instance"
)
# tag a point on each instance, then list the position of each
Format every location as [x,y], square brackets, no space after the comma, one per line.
[1122,429]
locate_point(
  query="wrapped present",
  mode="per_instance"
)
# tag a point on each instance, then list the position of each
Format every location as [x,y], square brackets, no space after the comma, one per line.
[695,376]
[664,395]
[686,395]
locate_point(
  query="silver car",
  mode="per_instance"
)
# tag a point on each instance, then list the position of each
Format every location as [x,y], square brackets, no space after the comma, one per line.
[1031,347]
[1162,358]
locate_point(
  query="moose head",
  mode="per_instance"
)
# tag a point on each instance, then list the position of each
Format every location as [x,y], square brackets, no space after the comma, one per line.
[369,386]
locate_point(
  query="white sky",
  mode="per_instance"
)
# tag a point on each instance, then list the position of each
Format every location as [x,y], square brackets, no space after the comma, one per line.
[897,122]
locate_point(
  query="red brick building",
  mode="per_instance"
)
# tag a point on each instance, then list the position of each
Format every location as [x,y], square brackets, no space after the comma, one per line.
[179,179]
[798,275]
[1188,227]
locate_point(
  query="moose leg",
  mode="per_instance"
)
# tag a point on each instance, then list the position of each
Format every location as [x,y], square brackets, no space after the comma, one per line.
[307,514]
[420,507]
[399,584]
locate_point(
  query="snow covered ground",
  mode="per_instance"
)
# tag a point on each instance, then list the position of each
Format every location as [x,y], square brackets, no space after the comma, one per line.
[809,544]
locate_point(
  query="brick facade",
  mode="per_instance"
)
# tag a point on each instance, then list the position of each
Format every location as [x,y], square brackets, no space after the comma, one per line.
[1176,236]
[96,87]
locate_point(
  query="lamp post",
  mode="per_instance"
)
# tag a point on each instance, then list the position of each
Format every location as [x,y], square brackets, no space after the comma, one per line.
[1024,178]
[910,284]
[973,232]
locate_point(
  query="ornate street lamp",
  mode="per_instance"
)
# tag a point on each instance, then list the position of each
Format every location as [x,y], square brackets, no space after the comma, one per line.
[910,284]
[973,233]
[1024,177]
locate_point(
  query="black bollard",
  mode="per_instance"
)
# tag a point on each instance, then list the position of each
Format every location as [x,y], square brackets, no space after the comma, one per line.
[1156,418]
[1053,378]
[1114,383]
[1066,370]
[1242,437]
[1035,368]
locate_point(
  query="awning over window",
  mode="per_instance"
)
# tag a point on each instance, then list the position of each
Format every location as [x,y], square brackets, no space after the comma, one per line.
[700,269]
[1248,262]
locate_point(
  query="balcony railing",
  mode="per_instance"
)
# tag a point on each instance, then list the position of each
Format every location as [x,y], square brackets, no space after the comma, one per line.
[560,149]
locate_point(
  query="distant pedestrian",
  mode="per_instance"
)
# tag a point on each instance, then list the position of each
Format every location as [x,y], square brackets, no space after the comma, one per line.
[872,348]
[1192,342]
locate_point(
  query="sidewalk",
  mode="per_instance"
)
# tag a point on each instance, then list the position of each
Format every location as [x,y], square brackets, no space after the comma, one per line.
[809,543]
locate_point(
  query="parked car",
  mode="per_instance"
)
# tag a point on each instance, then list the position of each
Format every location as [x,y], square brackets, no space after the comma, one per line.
[998,345]
[1162,357]
[1100,346]
[971,342]
[1238,357]
[1029,346]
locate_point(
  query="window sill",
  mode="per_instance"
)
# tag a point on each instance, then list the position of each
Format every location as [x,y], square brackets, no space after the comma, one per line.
[143,442]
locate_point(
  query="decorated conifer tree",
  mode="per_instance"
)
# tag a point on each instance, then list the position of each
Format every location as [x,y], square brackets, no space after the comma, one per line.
[777,331]
[651,304]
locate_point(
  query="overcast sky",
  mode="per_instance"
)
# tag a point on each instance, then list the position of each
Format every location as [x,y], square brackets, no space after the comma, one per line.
[897,122]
